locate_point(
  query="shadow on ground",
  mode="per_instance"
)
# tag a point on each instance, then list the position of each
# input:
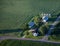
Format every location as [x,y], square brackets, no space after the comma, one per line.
[10,30]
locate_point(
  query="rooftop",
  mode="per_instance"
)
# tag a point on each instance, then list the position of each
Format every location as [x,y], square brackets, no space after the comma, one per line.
[45,18]
[35,34]
[31,24]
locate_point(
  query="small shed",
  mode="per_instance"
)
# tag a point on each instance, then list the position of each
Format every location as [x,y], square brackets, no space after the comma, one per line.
[45,18]
[31,24]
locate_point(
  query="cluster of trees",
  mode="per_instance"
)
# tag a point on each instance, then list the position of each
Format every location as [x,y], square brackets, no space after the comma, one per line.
[56,32]
[44,29]
[37,20]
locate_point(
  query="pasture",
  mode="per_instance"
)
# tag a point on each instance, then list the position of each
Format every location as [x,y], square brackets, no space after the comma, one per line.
[15,13]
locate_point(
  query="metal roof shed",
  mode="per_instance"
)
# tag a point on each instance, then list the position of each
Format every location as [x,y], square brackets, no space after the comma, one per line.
[31,24]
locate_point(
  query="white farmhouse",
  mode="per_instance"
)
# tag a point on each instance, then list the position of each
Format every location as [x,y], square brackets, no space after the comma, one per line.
[35,34]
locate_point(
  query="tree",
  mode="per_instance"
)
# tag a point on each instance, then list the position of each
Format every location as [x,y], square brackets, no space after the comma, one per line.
[37,20]
[44,29]
[25,26]
[56,30]
[26,32]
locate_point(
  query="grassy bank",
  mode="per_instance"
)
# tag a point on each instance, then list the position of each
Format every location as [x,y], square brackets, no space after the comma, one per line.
[25,43]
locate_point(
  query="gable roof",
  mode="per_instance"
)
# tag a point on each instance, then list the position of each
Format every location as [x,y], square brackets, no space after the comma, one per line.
[31,24]
[45,18]
[35,34]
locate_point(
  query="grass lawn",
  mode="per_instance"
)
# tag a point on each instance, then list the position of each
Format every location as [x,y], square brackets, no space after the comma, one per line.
[15,13]
[25,43]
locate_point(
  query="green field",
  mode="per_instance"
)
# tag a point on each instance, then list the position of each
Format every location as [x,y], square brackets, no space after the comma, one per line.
[15,13]
[25,43]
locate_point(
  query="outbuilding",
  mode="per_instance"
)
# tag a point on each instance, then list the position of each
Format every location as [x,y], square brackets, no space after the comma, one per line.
[31,24]
[44,18]
[35,34]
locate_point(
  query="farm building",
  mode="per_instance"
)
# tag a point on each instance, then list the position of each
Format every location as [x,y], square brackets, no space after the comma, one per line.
[31,24]
[45,18]
[35,34]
